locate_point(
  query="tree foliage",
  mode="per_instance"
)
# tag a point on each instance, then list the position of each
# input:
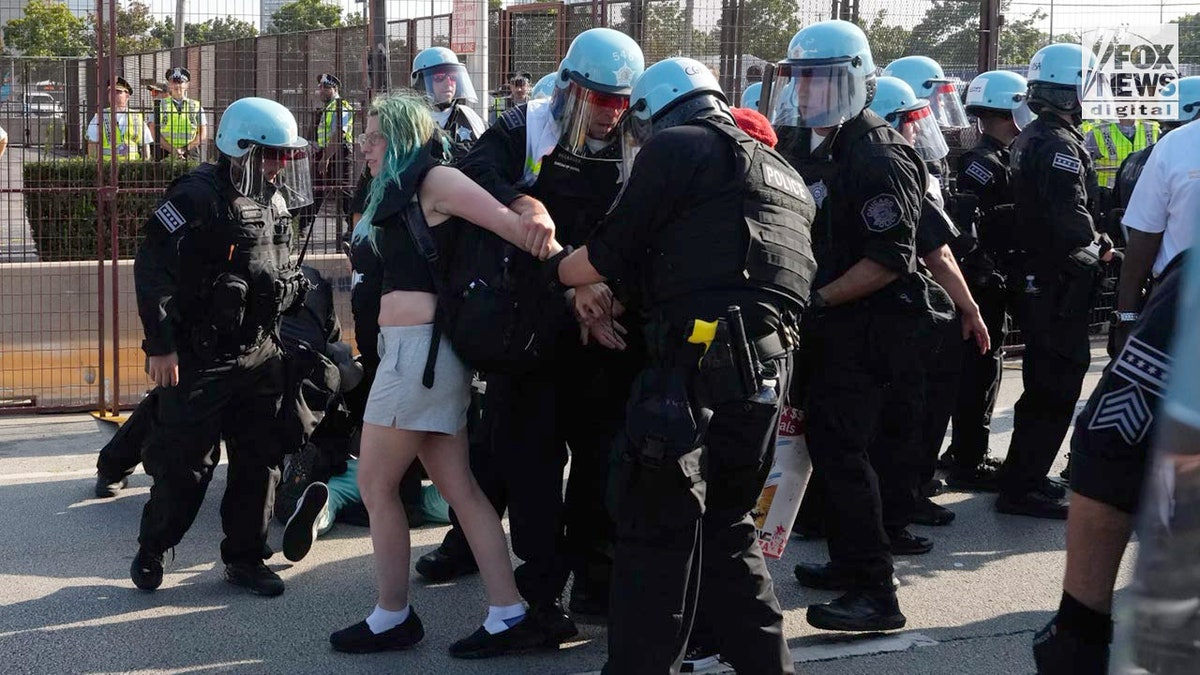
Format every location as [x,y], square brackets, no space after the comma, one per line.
[213,30]
[48,29]
[666,27]
[768,27]
[301,15]
[135,25]
[888,42]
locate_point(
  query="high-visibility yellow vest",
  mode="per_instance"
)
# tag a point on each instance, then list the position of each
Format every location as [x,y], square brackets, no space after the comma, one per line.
[329,129]
[129,142]
[1115,147]
[180,121]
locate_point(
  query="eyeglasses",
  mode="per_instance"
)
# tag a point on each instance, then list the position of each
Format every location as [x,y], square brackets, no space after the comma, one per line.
[369,138]
[280,154]
[441,77]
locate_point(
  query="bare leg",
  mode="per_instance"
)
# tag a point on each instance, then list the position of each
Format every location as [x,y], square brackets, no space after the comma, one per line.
[1097,535]
[445,460]
[385,455]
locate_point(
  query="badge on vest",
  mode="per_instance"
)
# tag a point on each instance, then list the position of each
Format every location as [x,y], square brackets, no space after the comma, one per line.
[881,213]
[169,216]
[1067,163]
[819,192]
[979,173]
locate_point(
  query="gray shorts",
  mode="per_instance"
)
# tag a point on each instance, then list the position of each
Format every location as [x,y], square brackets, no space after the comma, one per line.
[399,399]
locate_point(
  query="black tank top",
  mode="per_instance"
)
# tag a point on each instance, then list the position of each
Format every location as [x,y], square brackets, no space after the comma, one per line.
[404,268]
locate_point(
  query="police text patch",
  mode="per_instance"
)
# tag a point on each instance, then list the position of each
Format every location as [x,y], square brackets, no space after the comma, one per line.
[782,180]
[881,212]
[169,216]
[513,118]
[979,173]
[1067,163]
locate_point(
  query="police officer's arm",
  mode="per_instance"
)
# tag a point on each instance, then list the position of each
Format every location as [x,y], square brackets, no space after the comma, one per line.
[887,205]
[156,274]
[1062,191]
[447,192]
[1145,221]
[497,161]
[946,273]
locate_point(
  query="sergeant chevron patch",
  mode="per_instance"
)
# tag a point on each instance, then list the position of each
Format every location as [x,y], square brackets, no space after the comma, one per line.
[1124,410]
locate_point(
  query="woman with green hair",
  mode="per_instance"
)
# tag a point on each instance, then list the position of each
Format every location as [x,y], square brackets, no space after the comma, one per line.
[406,418]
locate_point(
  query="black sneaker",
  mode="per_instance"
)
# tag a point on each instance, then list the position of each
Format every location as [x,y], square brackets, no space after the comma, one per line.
[255,576]
[1055,488]
[699,658]
[982,478]
[828,577]
[1033,504]
[107,487]
[1058,652]
[925,512]
[358,639]
[903,542]
[301,529]
[441,565]
[552,622]
[932,488]
[859,611]
[147,569]
[521,638]
[300,472]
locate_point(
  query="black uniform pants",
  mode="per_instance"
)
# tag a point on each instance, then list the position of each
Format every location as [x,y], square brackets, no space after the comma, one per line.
[534,419]
[943,371]
[686,524]
[1054,325]
[858,353]
[123,452]
[979,383]
[238,400]
[897,451]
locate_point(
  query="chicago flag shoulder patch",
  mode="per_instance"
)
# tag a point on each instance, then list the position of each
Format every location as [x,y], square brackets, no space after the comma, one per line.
[979,173]
[1067,163]
[169,216]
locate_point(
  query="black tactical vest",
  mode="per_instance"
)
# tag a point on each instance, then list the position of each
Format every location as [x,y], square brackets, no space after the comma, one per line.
[578,191]
[777,213]
[247,290]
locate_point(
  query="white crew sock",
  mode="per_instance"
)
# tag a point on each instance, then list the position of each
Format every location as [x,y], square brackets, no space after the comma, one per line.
[500,619]
[384,620]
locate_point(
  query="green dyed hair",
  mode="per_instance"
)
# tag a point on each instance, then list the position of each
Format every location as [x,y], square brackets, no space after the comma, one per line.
[406,122]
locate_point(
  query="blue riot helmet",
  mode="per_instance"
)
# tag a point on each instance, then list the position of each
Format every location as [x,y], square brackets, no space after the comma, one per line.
[592,88]
[1056,80]
[544,87]
[438,74]
[896,103]
[267,156]
[827,78]
[672,92]
[1189,101]
[929,81]
[1000,91]
[751,95]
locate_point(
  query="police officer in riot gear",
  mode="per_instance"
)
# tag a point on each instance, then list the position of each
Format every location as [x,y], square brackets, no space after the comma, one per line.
[929,82]
[905,449]
[445,82]
[751,96]
[867,306]
[559,158]
[712,226]
[213,275]
[985,213]
[1054,186]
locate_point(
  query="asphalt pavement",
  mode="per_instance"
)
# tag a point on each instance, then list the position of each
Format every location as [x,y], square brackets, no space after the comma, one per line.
[67,604]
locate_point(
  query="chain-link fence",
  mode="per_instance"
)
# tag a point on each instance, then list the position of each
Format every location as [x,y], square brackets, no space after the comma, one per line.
[69,333]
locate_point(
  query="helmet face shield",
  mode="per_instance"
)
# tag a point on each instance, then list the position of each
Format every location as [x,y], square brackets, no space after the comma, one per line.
[265,171]
[585,114]
[919,128]
[1022,115]
[446,83]
[947,107]
[816,96]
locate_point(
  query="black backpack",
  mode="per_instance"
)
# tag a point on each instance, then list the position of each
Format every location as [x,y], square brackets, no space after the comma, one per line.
[492,303]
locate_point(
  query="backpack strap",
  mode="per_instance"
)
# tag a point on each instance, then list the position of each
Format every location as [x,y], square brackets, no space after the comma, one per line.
[422,236]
